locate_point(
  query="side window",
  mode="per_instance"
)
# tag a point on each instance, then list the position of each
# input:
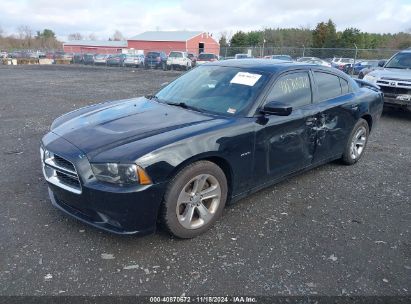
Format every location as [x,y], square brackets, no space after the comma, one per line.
[328,86]
[293,89]
[344,86]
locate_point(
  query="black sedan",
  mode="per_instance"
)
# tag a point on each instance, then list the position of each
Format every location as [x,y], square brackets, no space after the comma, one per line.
[212,136]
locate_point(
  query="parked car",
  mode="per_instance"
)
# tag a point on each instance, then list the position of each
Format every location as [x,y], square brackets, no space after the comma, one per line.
[101,59]
[305,59]
[193,59]
[134,60]
[3,54]
[339,63]
[88,58]
[281,57]
[178,60]
[317,61]
[78,58]
[361,66]
[394,79]
[214,135]
[156,60]
[63,55]
[116,60]
[242,56]
[206,57]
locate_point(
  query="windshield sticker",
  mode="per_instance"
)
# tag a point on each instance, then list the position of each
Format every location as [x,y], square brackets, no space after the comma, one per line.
[231,110]
[245,78]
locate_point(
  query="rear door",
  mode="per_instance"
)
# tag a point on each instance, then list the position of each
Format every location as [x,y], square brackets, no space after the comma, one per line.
[286,144]
[337,109]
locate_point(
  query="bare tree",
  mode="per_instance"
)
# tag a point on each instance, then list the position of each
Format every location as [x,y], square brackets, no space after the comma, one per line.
[26,34]
[75,36]
[92,36]
[117,36]
[1,32]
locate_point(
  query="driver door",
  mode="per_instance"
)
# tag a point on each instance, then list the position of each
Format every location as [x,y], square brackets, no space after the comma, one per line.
[286,144]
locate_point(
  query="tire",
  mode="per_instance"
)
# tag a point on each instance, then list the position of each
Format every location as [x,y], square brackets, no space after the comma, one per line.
[188,220]
[356,143]
[360,75]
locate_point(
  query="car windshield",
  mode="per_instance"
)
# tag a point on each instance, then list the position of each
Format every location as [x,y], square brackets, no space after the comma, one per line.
[215,89]
[400,61]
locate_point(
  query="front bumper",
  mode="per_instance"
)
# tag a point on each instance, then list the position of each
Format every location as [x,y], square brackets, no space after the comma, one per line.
[391,99]
[120,213]
[121,210]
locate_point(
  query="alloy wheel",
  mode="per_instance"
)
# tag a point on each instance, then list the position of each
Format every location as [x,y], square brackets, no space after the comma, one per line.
[358,142]
[198,201]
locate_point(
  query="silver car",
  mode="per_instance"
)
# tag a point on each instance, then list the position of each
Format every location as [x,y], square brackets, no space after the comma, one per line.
[134,60]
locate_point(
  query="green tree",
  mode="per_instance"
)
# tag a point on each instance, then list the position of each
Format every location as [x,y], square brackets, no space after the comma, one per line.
[239,39]
[254,38]
[351,36]
[325,35]
[223,41]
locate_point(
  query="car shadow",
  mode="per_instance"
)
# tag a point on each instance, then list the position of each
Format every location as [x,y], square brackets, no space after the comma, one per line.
[397,113]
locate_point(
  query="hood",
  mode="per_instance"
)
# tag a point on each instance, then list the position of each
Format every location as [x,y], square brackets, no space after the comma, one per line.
[108,125]
[398,74]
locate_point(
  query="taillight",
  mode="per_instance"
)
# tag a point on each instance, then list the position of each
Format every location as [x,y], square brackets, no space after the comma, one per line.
[212,59]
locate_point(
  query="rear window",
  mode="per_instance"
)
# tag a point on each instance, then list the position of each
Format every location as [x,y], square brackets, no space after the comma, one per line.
[206,56]
[153,54]
[176,54]
[328,86]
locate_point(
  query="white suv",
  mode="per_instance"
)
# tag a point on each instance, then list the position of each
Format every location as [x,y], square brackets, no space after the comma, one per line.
[178,60]
[394,79]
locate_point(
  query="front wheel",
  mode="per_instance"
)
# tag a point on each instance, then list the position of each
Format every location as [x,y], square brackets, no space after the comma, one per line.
[356,143]
[194,200]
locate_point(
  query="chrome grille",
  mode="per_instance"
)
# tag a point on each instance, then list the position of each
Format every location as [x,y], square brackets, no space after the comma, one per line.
[63,163]
[60,171]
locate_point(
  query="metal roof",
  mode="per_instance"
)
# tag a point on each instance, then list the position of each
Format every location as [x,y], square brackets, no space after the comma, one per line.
[166,35]
[102,43]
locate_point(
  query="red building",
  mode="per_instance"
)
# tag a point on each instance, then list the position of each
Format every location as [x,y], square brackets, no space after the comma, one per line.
[95,47]
[167,41]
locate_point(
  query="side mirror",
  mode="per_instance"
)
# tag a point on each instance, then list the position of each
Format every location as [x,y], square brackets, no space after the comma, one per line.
[381,63]
[277,108]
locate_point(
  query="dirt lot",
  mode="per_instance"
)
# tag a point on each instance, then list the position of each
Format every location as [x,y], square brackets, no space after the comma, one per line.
[336,230]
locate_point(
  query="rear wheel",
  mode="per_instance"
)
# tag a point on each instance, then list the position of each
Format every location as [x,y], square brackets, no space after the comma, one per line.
[356,143]
[194,200]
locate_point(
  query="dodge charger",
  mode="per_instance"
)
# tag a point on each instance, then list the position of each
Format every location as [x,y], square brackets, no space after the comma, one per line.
[209,138]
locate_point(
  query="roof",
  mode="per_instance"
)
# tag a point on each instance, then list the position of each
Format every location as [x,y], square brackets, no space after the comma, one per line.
[269,65]
[103,43]
[166,35]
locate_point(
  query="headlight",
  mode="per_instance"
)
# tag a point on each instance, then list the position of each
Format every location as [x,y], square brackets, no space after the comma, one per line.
[370,78]
[120,173]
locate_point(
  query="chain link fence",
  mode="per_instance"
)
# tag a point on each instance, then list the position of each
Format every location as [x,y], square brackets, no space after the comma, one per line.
[297,52]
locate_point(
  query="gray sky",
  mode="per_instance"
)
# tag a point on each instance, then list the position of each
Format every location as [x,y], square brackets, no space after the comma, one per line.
[103,17]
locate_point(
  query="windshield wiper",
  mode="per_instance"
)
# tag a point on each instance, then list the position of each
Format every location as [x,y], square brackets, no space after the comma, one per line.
[184,106]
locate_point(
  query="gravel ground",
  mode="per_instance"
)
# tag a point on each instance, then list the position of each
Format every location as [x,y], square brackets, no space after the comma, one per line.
[336,230]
